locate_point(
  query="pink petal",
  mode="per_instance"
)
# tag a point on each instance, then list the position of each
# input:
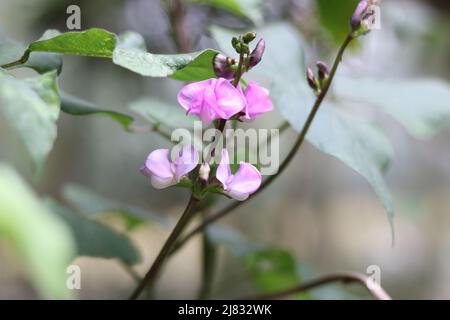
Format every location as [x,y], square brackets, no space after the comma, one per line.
[191,96]
[246,181]
[185,162]
[158,164]
[258,101]
[223,173]
[161,183]
[229,99]
[209,107]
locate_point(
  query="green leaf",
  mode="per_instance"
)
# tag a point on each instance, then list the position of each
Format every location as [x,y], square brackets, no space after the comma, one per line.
[94,239]
[158,112]
[272,270]
[92,204]
[422,106]
[31,107]
[41,62]
[335,16]
[40,237]
[131,54]
[79,107]
[249,9]
[360,145]
[127,51]
[93,42]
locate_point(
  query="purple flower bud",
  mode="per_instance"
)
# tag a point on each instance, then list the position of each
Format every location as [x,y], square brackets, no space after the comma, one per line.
[358,15]
[311,79]
[222,66]
[324,70]
[257,53]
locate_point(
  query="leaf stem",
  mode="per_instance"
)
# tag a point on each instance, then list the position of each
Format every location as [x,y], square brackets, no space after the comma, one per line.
[374,288]
[153,272]
[298,143]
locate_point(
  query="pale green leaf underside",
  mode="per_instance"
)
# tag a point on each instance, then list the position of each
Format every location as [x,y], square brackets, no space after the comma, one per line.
[41,238]
[161,113]
[422,106]
[31,107]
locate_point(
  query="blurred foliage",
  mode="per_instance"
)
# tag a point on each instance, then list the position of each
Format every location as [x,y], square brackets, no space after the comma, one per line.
[41,238]
[335,17]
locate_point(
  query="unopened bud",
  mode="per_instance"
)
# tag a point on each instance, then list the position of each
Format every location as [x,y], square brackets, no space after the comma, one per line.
[311,79]
[363,18]
[223,66]
[359,14]
[249,37]
[257,53]
[235,43]
[203,172]
[323,70]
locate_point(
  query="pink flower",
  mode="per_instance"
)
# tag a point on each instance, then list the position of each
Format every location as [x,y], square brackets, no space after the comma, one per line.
[257,101]
[211,99]
[164,173]
[241,184]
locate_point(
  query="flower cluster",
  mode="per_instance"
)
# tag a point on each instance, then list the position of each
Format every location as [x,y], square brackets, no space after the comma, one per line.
[165,173]
[210,100]
[218,99]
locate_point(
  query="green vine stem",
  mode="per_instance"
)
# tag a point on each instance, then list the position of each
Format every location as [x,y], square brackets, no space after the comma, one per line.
[298,143]
[372,287]
[153,272]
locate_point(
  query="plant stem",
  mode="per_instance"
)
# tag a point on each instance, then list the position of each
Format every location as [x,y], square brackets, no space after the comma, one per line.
[374,289]
[209,254]
[298,143]
[178,21]
[153,272]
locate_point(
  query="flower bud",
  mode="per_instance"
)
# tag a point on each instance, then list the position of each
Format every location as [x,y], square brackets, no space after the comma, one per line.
[323,70]
[204,171]
[257,53]
[235,43]
[363,18]
[358,15]
[223,66]
[311,79]
[249,37]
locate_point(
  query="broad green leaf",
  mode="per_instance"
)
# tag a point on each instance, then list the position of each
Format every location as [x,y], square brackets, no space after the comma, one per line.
[360,145]
[422,106]
[335,15]
[131,54]
[31,107]
[42,62]
[272,269]
[79,107]
[128,51]
[249,9]
[158,113]
[40,237]
[92,204]
[93,42]
[94,239]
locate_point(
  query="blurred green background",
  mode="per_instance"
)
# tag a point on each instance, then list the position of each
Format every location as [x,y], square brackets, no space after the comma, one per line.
[320,211]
